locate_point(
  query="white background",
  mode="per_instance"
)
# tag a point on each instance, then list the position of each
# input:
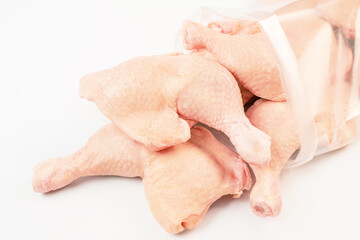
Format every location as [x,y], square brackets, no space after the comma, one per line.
[45,47]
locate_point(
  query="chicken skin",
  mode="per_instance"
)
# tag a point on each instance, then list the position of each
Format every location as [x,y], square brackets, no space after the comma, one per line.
[325,78]
[180,182]
[155,102]
[265,197]
[149,99]
[247,56]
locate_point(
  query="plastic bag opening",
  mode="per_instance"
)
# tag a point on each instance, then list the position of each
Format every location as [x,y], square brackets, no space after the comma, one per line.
[316,47]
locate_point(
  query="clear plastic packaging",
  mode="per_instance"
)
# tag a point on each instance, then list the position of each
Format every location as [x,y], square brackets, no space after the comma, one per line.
[316,45]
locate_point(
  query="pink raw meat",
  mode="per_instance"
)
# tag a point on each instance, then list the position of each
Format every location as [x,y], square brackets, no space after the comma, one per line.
[180,182]
[149,97]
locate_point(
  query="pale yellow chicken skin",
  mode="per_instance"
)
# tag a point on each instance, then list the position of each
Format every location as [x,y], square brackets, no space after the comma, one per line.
[324,62]
[149,97]
[245,55]
[154,102]
[180,182]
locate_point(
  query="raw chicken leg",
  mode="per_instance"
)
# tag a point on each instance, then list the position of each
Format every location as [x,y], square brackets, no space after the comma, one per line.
[323,58]
[333,130]
[183,181]
[246,95]
[265,198]
[324,77]
[247,56]
[180,182]
[149,97]
[108,152]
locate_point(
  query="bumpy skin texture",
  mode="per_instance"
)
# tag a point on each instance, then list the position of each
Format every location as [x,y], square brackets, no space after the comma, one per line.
[324,75]
[180,182]
[180,187]
[247,56]
[265,197]
[274,118]
[108,152]
[246,95]
[149,97]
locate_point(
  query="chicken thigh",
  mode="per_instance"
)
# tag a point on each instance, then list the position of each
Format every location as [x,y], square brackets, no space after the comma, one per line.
[180,182]
[148,98]
[246,95]
[324,60]
[324,75]
[247,56]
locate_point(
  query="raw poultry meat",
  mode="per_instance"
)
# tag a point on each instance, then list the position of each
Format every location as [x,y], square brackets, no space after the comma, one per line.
[246,95]
[149,97]
[330,114]
[198,171]
[246,56]
[265,198]
[324,61]
[180,182]
[340,13]
[236,27]
[154,103]
[324,75]
[108,152]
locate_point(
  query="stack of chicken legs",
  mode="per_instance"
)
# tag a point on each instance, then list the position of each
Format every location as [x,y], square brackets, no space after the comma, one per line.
[154,104]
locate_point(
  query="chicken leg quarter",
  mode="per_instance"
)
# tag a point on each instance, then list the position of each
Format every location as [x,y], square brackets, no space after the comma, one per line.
[149,97]
[180,182]
[247,56]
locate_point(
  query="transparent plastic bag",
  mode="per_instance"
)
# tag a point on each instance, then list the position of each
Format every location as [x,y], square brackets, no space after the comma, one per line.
[316,46]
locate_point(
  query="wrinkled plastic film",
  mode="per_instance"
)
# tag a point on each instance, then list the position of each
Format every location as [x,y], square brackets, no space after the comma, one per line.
[355,91]
[293,88]
[319,64]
